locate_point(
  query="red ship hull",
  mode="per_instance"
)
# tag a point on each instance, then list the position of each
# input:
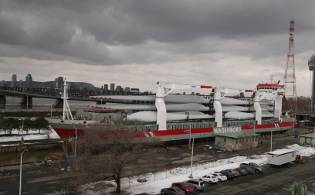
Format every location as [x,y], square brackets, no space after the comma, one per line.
[66,132]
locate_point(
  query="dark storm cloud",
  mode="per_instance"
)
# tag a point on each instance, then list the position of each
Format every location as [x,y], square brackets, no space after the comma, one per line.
[132,31]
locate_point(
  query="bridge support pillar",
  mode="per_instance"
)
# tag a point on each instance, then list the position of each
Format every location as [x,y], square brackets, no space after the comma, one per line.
[2,101]
[27,102]
[59,103]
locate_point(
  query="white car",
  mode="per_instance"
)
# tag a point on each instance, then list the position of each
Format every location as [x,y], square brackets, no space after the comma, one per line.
[210,178]
[220,176]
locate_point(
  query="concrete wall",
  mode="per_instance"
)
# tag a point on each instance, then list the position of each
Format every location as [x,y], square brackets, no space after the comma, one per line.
[237,144]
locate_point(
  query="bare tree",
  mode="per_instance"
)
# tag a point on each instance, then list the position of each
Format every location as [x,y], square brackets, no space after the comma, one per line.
[105,153]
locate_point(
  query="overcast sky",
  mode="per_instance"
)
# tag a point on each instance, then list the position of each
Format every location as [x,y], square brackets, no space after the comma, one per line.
[227,43]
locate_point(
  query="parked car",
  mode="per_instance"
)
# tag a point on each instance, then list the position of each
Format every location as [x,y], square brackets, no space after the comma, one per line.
[220,176]
[186,187]
[210,178]
[228,173]
[235,173]
[258,169]
[172,191]
[242,171]
[198,183]
[142,180]
[250,170]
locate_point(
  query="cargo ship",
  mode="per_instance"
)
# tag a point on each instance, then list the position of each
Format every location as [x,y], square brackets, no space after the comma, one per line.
[165,117]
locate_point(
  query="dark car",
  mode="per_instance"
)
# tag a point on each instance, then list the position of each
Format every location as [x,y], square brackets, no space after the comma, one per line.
[172,191]
[186,187]
[256,167]
[198,183]
[242,171]
[228,173]
[244,165]
[236,173]
[250,170]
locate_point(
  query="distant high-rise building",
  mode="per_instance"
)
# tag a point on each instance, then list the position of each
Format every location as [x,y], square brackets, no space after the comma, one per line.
[135,90]
[127,89]
[112,86]
[119,88]
[13,80]
[28,80]
[105,87]
[59,82]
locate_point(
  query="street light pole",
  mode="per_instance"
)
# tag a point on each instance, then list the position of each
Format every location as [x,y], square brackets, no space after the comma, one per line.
[271,140]
[75,143]
[51,110]
[21,157]
[191,158]
[21,129]
[189,144]
[21,165]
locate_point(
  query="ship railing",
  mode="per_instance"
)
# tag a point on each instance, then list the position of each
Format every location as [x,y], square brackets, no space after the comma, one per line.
[189,125]
[150,127]
[170,126]
[251,122]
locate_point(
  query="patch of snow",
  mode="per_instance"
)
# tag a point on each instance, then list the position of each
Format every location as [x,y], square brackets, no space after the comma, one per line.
[98,188]
[29,135]
[302,150]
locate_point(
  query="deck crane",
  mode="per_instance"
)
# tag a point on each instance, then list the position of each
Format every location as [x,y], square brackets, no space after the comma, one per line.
[164,89]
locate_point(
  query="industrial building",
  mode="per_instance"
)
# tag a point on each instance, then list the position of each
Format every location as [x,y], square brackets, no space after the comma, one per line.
[307,139]
[238,140]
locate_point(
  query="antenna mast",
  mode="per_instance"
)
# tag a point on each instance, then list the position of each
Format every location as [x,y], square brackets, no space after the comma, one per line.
[289,77]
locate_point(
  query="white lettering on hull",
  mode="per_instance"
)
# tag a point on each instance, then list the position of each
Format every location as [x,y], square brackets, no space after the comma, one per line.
[227,129]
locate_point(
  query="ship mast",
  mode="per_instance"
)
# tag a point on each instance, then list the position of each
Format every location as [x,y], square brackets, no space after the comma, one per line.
[66,112]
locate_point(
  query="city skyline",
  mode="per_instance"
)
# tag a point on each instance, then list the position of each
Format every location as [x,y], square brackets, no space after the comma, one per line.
[57,83]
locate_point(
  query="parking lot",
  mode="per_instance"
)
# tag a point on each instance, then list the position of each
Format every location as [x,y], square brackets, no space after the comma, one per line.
[273,180]
[205,182]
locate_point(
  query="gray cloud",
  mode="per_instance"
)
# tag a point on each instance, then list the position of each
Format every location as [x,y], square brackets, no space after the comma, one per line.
[52,26]
[145,35]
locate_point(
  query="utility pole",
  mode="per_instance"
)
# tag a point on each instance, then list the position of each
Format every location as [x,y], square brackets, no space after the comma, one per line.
[23,149]
[189,144]
[51,112]
[75,143]
[271,140]
[192,158]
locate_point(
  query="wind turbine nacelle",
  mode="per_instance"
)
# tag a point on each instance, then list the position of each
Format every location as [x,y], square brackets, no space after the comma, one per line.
[311,63]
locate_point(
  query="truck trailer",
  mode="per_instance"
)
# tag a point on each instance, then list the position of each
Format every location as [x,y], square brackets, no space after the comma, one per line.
[281,156]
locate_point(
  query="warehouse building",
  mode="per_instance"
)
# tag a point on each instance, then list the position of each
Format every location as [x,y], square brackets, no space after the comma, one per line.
[239,140]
